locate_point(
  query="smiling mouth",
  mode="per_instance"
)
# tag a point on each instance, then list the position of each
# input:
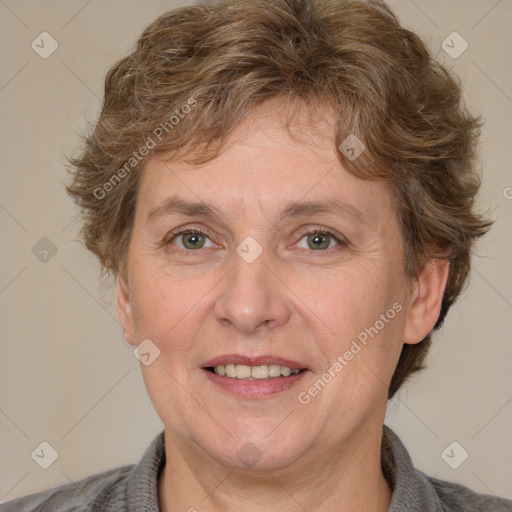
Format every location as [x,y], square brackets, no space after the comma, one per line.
[251,373]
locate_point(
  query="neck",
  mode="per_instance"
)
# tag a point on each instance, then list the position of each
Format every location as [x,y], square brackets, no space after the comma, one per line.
[348,478]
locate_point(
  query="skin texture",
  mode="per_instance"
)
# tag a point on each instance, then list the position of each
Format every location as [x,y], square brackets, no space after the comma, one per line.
[293,301]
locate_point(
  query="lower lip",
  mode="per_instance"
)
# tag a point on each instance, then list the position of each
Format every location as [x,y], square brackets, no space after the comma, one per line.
[255,388]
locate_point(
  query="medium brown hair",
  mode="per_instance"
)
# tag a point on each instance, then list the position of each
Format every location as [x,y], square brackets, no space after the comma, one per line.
[197,71]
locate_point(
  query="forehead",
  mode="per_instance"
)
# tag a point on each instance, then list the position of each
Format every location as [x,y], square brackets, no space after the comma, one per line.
[269,166]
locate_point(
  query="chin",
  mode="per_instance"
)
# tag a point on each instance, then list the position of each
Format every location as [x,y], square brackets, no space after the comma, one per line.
[257,452]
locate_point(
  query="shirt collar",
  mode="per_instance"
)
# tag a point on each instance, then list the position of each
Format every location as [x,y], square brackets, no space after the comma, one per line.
[412,491]
[142,486]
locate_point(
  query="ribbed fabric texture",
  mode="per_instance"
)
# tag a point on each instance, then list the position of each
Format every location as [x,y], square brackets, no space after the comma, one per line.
[135,488]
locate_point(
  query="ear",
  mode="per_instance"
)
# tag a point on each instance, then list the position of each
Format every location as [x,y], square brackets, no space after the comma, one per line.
[124,310]
[425,301]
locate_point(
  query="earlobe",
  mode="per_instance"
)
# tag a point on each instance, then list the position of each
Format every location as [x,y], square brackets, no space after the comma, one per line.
[124,310]
[425,301]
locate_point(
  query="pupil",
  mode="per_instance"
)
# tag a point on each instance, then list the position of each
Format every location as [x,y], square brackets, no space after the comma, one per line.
[319,241]
[193,240]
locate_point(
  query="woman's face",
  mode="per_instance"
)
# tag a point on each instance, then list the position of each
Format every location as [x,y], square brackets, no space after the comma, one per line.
[288,262]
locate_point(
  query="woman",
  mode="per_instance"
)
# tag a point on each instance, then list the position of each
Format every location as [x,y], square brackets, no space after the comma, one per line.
[284,192]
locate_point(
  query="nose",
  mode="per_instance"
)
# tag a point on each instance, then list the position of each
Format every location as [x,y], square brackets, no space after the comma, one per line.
[254,297]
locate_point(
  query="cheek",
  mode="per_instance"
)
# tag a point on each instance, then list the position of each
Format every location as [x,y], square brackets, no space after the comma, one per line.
[162,303]
[365,314]
[355,300]
[169,311]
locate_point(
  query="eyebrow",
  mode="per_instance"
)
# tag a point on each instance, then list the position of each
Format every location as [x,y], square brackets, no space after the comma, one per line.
[176,206]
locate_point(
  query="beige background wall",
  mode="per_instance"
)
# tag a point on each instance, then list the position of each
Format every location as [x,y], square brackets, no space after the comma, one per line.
[67,377]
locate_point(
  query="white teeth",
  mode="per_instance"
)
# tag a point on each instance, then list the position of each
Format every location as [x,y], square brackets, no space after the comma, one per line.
[242,371]
[274,370]
[264,371]
[259,372]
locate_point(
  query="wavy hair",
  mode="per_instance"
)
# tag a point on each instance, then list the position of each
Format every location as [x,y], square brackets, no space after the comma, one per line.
[206,66]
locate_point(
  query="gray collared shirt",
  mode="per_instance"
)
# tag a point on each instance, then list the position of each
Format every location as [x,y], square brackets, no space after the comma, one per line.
[135,488]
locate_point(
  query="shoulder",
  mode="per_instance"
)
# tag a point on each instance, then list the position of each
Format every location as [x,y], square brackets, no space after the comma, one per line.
[414,491]
[457,498]
[130,487]
[105,491]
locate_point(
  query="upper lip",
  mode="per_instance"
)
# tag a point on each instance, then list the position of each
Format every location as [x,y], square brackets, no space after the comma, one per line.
[252,361]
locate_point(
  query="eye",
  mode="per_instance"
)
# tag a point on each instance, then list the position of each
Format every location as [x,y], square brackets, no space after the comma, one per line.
[318,240]
[190,239]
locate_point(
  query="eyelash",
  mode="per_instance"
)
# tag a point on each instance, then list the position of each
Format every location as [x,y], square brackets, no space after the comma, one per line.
[316,230]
